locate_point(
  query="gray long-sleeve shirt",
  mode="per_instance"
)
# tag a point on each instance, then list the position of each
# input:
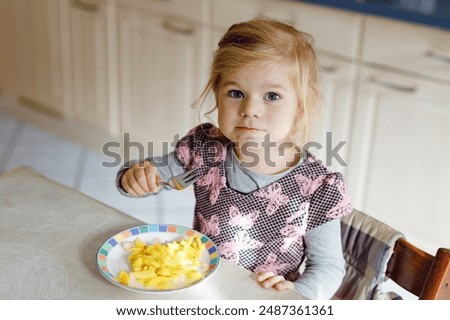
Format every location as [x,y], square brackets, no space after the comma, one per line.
[324,266]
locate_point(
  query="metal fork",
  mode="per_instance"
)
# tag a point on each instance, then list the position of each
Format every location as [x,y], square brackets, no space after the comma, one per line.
[181,181]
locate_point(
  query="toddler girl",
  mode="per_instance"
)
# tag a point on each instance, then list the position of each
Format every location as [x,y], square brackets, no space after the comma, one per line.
[267,203]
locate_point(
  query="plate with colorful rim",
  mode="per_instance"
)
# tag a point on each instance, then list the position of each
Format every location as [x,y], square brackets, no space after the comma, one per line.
[112,256]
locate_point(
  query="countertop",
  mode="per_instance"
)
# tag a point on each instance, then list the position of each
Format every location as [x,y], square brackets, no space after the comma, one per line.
[433,13]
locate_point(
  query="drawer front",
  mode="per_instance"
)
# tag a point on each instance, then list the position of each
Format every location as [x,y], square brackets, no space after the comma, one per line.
[226,13]
[408,47]
[196,10]
[335,31]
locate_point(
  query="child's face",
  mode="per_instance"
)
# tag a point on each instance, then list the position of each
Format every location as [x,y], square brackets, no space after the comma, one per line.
[256,101]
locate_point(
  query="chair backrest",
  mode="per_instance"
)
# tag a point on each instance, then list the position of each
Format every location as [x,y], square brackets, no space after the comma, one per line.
[374,251]
[420,273]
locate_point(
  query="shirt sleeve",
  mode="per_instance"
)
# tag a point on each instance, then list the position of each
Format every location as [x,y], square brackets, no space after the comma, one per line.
[325,264]
[168,166]
[330,200]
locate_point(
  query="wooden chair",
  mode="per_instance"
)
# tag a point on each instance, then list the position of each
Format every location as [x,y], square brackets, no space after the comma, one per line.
[375,251]
[420,273]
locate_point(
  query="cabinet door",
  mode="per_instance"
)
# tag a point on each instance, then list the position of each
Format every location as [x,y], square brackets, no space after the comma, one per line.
[161,69]
[400,154]
[90,62]
[36,37]
[413,48]
[337,85]
[335,31]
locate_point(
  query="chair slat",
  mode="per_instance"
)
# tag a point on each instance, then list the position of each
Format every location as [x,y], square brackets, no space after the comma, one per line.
[420,273]
[438,282]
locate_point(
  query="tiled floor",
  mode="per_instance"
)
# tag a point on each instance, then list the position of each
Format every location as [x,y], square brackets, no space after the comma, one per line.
[77,167]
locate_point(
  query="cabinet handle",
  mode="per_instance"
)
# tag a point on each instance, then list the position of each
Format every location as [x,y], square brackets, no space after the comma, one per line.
[438,56]
[393,86]
[329,69]
[87,7]
[176,29]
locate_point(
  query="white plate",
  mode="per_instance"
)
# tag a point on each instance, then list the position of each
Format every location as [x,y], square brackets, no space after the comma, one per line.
[112,257]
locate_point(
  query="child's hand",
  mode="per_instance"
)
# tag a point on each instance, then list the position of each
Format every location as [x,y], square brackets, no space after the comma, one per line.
[270,280]
[141,179]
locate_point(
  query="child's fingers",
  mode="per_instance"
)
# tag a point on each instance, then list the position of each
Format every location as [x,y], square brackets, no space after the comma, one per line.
[140,179]
[141,185]
[264,276]
[145,174]
[269,280]
[137,183]
[134,181]
[151,176]
[284,285]
[126,185]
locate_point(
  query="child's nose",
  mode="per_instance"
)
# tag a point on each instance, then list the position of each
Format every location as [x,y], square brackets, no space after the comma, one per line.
[251,108]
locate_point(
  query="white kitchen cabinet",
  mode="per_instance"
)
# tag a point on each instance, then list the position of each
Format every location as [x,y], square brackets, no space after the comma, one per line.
[400,151]
[92,65]
[400,145]
[336,32]
[411,48]
[337,84]
[32,57]
[163,66]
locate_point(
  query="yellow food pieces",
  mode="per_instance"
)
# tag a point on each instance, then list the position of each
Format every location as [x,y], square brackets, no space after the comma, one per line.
[162,266]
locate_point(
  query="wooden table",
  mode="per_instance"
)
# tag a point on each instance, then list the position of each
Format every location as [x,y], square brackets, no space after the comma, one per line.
[49,237]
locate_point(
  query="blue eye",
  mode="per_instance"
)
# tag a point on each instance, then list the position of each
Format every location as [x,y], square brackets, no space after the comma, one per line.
[271,96]
[235,94]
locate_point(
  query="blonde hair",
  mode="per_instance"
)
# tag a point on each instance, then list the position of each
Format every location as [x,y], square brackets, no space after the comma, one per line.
[258,41]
